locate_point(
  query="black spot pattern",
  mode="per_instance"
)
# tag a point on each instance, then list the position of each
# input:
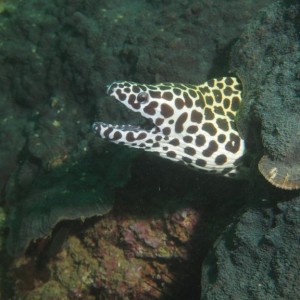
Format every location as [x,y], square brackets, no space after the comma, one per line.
[192,129]
[227,91]
[200,101]
[107,132]
[226,103]
[136,89]
[219,110]
[208,114]
[117,136]
[167,96]
[171,154]
[130,137]
[190,151]
[228,81]
[230,115]
[238,87]
[211,83]
[141,136]
[235,103]
[196,117]
[132,98]
[220,159]
[204,90]
[217,95]
[209,100]
[188,100]
[233,145]
[221,138]
[187,159]
[166,110]
[200,162]
[223,124]
[174,142]
[166,131]
[180,121]
[200,140]
[122,96]
[187,139]
[179,103]
[212,147]
[150,108]
[155,94]
[192,93]
[232,125]
[209,128]
[159,121]
[177,91]
[133,103]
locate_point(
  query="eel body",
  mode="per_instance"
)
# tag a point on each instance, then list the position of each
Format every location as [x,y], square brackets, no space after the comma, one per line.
[192,124]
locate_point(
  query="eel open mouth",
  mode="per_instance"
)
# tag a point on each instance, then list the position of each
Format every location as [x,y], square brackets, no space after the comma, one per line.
[132,102]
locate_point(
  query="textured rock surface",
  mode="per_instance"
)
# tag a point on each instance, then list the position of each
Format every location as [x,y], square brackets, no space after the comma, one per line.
[257,257]
[267,60]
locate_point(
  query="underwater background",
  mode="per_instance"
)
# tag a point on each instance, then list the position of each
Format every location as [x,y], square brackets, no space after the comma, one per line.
[82,218]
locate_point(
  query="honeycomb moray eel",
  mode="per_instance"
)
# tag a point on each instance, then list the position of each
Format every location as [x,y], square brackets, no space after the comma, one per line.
[193,124]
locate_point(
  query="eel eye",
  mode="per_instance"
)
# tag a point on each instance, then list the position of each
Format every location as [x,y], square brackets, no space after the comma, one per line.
[142,97]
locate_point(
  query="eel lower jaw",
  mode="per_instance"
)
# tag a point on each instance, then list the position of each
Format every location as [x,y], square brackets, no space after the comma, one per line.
[101,128]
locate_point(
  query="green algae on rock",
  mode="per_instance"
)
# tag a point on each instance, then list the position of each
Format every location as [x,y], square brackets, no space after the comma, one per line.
[266,59]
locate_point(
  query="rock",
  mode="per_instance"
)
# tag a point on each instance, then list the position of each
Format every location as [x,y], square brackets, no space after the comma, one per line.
[266,59]
[257,257]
